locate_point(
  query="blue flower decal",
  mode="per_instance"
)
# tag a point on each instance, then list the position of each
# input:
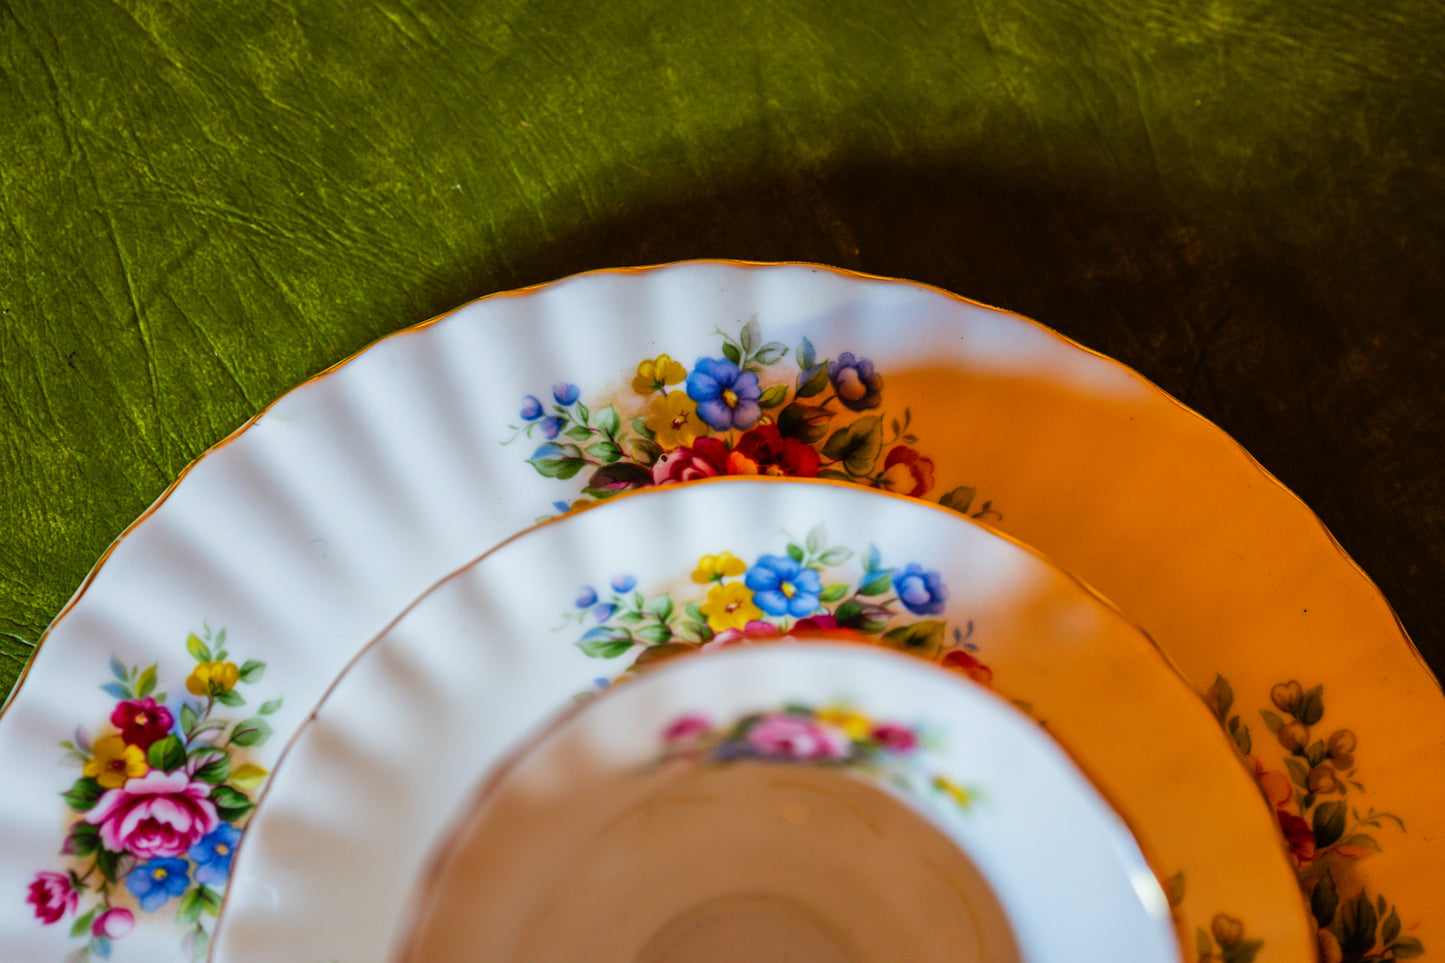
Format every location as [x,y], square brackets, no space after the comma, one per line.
[604,612]
[921,593]
[726,396]
[781,586]
[212,854]
[587,598]
[551,427]
[624,583]
[566,394]
[531,408]
[157,882]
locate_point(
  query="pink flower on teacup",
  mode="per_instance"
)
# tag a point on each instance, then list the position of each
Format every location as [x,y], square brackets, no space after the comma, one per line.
[686,728]
[787,736]
[159,814]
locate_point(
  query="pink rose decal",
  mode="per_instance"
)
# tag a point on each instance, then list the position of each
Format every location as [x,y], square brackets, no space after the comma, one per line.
[706,458]
[789,736]
[113,923]
[159,814]
[754,631]
[52,896]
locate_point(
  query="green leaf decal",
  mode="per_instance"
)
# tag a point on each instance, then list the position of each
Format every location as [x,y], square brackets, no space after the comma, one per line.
[197,648]
[921,638]
[230,804]
[251,732]
[806,423]
[83,923]
[608,420]
[1324,901]
[146,684]
[82,840]
[1312,706]
[1329,823]
[82,794]
[105,863]
[812,381]
[856,445]
[619,477]
[606,648]
[166,754]
[959,499]
[605,451]
[730,351]
[1223,696]
[774,396]
[230,698]
[805,354]
[252,670]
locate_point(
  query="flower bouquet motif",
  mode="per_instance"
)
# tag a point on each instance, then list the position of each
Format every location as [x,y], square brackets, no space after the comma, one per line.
[803,590]
[163,796]
[835,736]
[746,411]
[1327,832]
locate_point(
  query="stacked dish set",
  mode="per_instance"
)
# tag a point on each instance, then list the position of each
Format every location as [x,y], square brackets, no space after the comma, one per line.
[724,611]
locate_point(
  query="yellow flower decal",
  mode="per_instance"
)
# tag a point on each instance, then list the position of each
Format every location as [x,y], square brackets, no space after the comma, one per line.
[114,762]
[852,724]
[657,374]
[674,421]
[715,568]
[213,678]
[729,607]
[963,797]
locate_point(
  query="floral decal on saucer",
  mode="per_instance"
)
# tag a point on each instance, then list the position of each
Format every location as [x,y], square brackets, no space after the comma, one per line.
[164,793]
[1327,833]
[803,589]
[746,411]
[836,736]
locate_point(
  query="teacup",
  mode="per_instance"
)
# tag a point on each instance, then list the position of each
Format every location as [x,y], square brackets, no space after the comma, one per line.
[820,801]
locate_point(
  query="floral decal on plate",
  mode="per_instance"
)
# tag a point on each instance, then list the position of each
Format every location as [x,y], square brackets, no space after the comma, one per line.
[746,411]
[804,589]
[887,753]
[1328,834]
[163,796]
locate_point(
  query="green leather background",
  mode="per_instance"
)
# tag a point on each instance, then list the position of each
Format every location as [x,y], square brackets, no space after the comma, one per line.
[203,203]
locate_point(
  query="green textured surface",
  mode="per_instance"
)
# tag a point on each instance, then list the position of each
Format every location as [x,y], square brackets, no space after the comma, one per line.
[204,203]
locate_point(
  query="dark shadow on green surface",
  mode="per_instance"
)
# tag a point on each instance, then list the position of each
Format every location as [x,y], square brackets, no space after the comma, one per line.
[1320,355]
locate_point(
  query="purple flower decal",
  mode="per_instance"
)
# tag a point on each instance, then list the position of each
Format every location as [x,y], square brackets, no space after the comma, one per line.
[531,408]
[566,394]
[921,593]
[858,385]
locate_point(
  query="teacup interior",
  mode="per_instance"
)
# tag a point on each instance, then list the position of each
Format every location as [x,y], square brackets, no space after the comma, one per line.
[693,861]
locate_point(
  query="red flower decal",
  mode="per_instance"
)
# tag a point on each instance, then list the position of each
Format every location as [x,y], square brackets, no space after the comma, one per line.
[907,472]
[141,721]
[764,451]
